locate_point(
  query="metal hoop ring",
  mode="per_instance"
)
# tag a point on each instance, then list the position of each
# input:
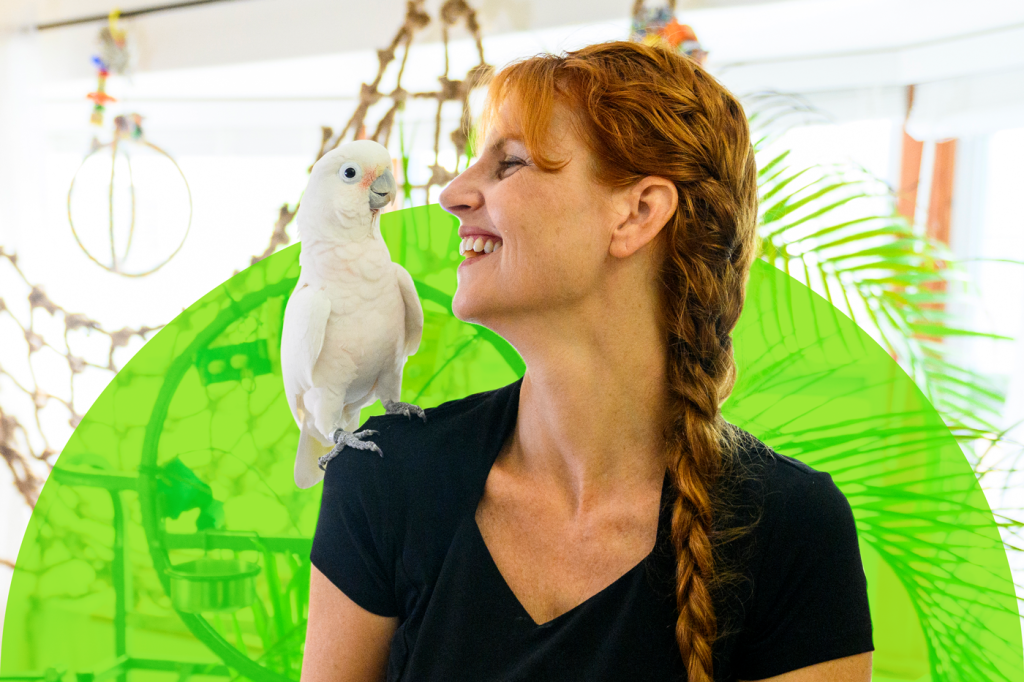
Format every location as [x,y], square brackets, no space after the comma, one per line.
[71,222]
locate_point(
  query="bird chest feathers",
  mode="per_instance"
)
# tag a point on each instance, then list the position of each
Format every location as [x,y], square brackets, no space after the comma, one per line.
[361,282]
[347,265]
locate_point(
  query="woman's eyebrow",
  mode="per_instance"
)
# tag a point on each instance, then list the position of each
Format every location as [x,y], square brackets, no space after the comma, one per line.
[500,142]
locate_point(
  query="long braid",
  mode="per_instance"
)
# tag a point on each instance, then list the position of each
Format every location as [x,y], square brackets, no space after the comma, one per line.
[647,111]
[703,284]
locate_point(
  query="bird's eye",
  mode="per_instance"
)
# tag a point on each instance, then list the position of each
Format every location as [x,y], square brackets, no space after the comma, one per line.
[350,172]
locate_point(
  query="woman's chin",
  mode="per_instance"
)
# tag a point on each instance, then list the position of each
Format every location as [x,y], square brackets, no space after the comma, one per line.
[465,308]
[461,309]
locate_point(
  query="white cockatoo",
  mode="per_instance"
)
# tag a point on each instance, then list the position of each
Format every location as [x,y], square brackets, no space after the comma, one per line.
[354,316]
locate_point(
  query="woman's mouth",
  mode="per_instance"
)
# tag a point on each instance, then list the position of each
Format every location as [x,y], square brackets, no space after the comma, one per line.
[474,247]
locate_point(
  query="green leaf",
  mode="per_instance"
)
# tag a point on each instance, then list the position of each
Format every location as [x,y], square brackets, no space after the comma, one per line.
[773,163]
[943,330]
[784,207]
[778,187]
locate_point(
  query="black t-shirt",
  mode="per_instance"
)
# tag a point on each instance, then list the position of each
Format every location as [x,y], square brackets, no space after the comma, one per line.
[398,535]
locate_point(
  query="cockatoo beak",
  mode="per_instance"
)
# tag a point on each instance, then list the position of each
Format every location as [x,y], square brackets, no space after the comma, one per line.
[383,190]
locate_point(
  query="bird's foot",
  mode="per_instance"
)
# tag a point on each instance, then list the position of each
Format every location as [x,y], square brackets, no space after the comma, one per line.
[395,407]
[342,438]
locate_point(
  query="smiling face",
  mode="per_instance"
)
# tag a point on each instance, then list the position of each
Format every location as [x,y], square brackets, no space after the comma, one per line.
[555,227]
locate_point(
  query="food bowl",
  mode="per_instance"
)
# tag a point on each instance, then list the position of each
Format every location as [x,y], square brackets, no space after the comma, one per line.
[213,585]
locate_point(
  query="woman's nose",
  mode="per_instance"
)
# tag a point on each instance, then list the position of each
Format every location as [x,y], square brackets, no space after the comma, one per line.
[461,195]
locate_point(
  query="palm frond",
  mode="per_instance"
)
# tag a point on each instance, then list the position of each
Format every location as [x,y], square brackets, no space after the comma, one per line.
[840,223]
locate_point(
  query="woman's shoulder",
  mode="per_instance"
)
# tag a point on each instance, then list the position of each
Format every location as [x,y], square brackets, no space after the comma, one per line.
[451,432]
[796,503]
[809,592]
[786,496]
[776,472]
[438,463]
[385,517]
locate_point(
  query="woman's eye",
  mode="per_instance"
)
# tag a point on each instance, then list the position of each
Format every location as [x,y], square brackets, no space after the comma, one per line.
[510,162]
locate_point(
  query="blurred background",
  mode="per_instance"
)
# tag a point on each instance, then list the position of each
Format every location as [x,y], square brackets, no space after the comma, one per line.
[150,151]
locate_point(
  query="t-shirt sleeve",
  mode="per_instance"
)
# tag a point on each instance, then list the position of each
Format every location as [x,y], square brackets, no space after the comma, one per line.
[352,544]
[810,594]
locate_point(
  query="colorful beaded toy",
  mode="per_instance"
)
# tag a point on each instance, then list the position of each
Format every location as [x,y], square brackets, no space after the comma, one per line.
[113,40]
[658,26]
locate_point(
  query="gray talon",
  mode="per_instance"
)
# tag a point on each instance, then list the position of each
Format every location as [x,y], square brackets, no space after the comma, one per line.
[395,407]
[342,438]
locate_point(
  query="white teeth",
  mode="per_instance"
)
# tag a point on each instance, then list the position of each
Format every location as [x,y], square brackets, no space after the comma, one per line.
[478,245]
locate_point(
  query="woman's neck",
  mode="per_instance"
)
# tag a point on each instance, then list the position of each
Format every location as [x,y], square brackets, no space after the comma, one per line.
[590,429]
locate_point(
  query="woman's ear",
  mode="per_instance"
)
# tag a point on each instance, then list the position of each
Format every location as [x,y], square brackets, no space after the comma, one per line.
[650,203]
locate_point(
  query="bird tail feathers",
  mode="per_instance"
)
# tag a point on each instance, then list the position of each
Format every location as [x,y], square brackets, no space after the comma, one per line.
[307,464]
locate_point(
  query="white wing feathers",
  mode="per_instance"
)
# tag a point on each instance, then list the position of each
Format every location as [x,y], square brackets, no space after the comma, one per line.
[302,340]
[413,311]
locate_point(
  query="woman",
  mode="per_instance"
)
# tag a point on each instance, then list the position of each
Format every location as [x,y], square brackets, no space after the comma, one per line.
[596,519]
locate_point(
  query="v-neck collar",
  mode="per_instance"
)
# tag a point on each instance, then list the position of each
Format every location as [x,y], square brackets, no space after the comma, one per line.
[508,422]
